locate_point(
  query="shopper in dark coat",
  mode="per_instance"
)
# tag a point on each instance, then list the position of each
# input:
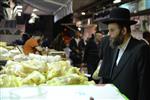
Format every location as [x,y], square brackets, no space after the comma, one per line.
[23,39]
[91,57]
[58,43]
[77,46]
[130,73]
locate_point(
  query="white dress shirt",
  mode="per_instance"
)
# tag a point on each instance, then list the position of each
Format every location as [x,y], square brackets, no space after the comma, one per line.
[77,41]
[122,48]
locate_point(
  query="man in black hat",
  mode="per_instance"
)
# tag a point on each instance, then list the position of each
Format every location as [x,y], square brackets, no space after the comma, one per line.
[125,60]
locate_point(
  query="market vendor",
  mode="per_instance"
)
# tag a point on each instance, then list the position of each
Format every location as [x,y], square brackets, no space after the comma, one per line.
[32,45]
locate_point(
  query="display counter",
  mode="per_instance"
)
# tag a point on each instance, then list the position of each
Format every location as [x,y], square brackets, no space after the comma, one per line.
[70,92]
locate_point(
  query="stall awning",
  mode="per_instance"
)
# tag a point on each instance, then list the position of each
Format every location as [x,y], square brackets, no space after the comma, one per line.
[58,8]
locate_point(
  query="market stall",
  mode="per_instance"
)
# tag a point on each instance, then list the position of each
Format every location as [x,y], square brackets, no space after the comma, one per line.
[49,75]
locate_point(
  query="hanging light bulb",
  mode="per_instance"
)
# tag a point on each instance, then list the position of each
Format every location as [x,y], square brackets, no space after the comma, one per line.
[31,21]
[33,18]
[35,10]
[116,1]
[79,28]
[34,15]
[83,13]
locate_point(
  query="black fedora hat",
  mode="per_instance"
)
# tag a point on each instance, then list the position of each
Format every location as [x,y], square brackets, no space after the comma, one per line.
[119,15]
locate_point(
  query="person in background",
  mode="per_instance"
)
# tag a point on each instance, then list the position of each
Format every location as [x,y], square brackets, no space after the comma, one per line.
[76,46]
[146,36]
[125,59]
[58,43]
[91,53]
[23,39]
[32,45]
[67,39]
[45,42]
[98,38]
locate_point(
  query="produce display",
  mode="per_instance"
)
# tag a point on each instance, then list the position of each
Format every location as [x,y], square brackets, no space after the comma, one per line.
[7,54]
[41,70]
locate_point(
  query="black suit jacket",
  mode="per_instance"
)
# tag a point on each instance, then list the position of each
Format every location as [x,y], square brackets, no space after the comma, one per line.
[73,45]
[75,56]
[91,57]
[130,76]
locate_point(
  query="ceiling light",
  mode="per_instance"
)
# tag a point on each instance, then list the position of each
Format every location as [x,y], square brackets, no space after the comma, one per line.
[34,15]
[96,14]
[83,13]
[19,10]
[79,28]
[31,21]
[88,21]
[19,7]
[19,13]
[33,18]
[116,1]
[34,10]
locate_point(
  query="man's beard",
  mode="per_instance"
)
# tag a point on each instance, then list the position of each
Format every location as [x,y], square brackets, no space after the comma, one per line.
[115,42]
